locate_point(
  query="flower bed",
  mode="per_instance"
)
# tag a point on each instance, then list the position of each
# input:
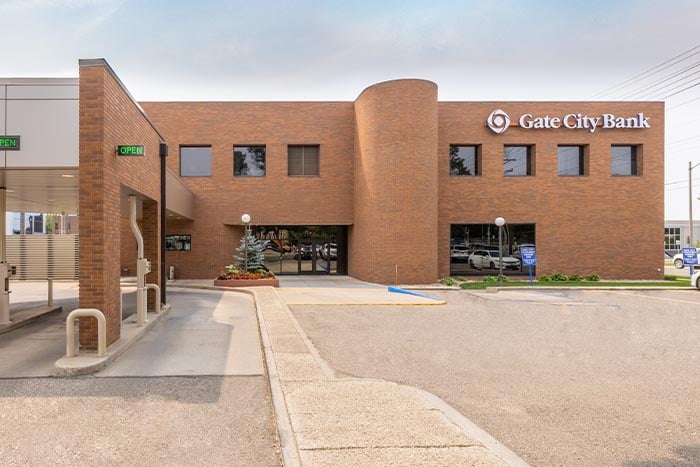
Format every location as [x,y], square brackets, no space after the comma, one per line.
[233,278]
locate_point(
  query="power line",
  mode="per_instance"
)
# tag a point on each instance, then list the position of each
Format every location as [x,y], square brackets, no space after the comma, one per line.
[682,104]
[672,83]
[658,69]
[663,80]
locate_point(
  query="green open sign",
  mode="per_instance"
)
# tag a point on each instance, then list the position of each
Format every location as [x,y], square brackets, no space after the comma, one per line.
[9,143]
[130,150]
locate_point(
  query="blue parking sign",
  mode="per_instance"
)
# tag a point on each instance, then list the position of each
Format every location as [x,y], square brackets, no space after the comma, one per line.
[528,256]
[690,256]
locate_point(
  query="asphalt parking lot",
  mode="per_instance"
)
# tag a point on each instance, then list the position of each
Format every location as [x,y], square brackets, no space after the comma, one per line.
[575,378]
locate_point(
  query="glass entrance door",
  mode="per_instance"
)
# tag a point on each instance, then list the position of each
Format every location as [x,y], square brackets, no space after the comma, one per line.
[307,252]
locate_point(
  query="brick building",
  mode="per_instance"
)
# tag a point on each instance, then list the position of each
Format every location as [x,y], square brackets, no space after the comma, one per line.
[396,180]
[395,186]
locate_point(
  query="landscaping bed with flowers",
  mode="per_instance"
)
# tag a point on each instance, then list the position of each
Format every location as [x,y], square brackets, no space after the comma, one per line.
[249,270]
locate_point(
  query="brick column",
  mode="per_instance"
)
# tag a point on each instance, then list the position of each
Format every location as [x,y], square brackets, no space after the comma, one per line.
[394,237]
[99,216]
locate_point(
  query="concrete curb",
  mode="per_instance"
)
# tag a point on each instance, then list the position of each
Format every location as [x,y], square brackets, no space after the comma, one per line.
[467,426]
[85,364]
[288,444]
[31,318]
[473,430]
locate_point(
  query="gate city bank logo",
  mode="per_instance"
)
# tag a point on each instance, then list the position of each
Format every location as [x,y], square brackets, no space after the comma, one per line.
[498,121]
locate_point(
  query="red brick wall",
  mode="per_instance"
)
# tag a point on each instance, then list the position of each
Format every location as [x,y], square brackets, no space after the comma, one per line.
[128,248]
[108,117]
[275,199]
[594,224]
[395,184]
[385,172]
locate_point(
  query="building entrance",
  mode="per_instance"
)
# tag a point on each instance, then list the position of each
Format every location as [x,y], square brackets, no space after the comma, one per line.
[304,249]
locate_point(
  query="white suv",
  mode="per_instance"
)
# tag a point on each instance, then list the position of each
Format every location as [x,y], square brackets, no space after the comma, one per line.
[678,260]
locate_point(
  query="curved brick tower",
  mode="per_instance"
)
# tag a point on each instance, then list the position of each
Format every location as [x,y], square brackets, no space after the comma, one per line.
[396,176]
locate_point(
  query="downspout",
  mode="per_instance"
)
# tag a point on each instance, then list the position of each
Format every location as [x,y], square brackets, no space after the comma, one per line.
[163,278]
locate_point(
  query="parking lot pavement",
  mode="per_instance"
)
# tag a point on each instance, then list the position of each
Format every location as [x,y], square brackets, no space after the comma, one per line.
[137,421]
[613,380]
[193,391]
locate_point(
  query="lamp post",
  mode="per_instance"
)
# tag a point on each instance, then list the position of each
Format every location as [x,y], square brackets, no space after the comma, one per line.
[690,200]
[500,222]
[245,218]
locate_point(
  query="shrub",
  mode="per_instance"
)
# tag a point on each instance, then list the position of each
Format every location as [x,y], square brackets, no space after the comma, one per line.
[545,278]
[593,278]
[494,279]
[558,277]
[448,281]
[575,278]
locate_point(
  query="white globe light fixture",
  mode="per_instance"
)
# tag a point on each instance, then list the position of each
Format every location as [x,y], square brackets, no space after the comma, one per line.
[245,218]
[500,222]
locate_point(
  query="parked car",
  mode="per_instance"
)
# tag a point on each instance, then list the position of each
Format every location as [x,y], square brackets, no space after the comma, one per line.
[303,251]
[459,254]
[481,259]
[678,259]
[329,251]
[695,279]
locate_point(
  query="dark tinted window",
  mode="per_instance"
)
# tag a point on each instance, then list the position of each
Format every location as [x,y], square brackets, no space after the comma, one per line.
[623,160]
[570,160]
[303,160]
[464,160]
[517,161]
[195,161]
[249,161]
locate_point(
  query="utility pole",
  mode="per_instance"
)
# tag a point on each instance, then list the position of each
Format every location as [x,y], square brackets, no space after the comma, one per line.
[690,201]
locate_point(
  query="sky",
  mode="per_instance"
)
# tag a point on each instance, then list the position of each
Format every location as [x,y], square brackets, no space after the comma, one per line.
[332,50]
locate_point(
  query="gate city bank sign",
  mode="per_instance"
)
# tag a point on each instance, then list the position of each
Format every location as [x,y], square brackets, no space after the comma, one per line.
[499,121]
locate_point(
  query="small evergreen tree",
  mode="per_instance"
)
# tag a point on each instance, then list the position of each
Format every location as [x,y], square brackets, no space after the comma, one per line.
[254,254]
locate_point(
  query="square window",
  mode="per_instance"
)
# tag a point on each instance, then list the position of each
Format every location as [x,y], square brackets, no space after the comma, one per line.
[465,160]
[570,161]
[303,160]
[195,161]
[623,160]
[517,161]
[178,242]
[249,161]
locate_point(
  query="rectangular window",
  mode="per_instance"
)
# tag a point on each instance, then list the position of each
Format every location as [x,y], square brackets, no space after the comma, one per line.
[570,161]
[303,160]
[178,242]
[623,160]
[517,161]
[465,160]
[249,161]
[195,161]
[672,238]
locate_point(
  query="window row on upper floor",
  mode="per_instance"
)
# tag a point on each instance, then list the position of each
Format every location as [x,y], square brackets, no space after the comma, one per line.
[519,161]
[249,161]
[465,160]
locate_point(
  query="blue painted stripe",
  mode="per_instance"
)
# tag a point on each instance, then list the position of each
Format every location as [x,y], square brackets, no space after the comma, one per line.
[393,289]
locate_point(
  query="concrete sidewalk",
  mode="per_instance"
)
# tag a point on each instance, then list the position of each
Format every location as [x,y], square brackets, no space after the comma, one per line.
[326,420]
